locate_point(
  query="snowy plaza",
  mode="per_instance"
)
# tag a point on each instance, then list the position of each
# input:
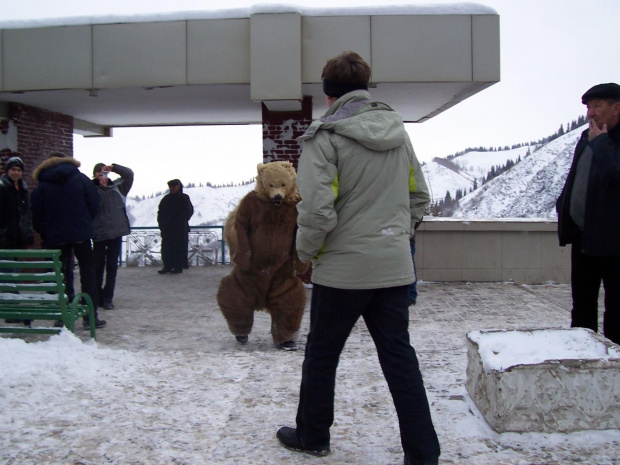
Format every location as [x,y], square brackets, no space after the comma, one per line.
[166,383]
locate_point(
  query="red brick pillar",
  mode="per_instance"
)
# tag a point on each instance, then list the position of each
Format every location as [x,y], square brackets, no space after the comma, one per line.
[38,133]
[281,128]
[34,133]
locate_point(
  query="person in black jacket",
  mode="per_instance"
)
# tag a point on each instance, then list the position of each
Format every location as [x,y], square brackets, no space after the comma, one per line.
[63,207]
[175,210]
[589,213]
[110,225]
[15,215]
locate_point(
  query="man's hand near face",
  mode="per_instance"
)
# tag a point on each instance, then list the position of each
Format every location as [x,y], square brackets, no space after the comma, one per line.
[595,131]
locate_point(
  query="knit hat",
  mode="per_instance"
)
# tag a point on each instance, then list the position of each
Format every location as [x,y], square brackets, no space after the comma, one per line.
[14,161]
[611,90]
[174,182]
[98,167]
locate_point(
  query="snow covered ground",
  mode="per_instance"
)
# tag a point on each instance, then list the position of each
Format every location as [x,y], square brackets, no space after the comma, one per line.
[166,384]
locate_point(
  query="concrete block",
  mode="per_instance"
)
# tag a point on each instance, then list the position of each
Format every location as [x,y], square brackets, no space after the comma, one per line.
[548,380]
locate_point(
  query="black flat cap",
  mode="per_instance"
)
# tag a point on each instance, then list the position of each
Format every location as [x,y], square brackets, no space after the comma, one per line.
[610,90]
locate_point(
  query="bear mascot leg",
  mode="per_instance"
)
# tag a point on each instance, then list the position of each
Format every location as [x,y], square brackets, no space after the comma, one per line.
[286,303]
[236,306]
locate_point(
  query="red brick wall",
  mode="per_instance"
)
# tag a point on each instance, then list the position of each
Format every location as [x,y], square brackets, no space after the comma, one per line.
[39,133]
[280,129]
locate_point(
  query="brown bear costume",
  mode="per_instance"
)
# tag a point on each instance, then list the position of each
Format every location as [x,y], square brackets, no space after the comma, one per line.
[260,233]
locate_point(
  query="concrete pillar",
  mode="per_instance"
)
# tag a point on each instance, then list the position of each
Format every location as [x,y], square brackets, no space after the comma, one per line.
[281,128]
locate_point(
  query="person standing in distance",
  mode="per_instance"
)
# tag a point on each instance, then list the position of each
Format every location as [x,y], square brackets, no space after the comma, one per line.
[362,192]
[174,212]
[110,225]
[589,213]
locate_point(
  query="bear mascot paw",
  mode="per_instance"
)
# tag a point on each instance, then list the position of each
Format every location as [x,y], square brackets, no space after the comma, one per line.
[260,233]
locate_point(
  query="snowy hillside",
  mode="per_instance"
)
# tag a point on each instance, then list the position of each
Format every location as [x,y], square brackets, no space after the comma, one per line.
[441,180]
[478,164]
[466,168]
[211,205]
[529,189]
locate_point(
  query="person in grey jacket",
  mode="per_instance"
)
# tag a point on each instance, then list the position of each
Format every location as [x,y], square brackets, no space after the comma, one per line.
[110,225]
[362,193]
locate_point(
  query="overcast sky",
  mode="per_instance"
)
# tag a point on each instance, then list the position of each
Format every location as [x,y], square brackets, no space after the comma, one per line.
[552,51]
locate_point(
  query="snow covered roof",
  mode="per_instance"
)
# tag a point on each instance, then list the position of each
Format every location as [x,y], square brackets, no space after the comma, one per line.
[218,66]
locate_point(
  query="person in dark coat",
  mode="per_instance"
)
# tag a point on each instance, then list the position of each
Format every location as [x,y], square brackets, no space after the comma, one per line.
[15,214]
[110,225]
[589,213]
[63,207]
[174,212]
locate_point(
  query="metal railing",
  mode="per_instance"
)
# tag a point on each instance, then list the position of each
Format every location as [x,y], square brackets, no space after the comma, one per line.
[142,247]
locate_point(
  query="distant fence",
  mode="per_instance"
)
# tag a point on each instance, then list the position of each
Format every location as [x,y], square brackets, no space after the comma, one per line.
[142,247]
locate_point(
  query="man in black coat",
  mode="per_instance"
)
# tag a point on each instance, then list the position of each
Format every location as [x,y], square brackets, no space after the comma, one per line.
[589,213]
[175,210]
[15,215]
[63,207]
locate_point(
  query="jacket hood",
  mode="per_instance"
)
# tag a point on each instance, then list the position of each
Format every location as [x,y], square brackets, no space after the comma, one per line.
[56,170]
[373,124]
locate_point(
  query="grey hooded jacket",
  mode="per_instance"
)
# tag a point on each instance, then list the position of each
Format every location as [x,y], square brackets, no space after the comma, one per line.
[362,191]
[111,220]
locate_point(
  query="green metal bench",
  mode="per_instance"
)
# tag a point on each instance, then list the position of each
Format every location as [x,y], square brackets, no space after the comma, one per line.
[32,288]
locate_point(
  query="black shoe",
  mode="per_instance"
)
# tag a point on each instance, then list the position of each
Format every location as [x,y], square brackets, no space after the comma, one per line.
[174,271]
[163,271]
[288,438]
[426,462]
[58,324]
[288,345]
[27,323]
[98,323]
[108,306]
[242,339]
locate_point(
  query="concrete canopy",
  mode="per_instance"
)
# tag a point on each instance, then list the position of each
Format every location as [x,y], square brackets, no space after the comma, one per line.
[218,68]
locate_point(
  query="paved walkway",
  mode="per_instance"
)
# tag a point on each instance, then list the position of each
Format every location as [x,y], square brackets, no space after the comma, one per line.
[175,320]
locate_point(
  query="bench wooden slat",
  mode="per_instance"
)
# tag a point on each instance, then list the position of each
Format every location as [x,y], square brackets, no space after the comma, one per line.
[25,264]
[17,298]
[50,276]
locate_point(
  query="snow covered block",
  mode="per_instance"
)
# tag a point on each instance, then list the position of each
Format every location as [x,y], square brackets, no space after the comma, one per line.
[548,380]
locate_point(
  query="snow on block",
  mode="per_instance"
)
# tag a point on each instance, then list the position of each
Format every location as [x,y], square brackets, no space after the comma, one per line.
[544,380]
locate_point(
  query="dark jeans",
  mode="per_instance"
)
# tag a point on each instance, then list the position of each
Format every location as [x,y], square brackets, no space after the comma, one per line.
[84,255]
[174,251]
[333,314]
[587,272]
[106,254]
[413,287]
